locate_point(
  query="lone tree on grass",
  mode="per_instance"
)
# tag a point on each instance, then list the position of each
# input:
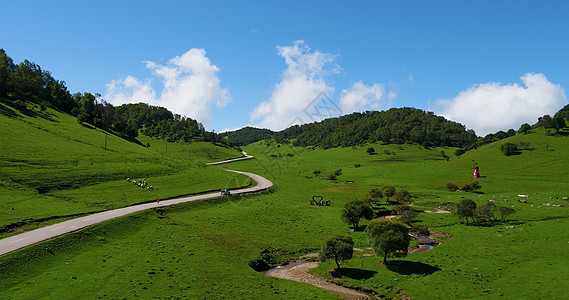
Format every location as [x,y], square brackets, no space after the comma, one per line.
[370,150]
[509,149]
[388,238]
[339,247]
[354,210]
[466,208]
[459,152]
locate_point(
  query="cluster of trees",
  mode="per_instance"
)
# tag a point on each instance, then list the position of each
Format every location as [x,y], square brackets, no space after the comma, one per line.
[489,212]
[389,193]
[28,83]
[155,121]
[386,237]
[245,136]
[469,187]
[396,125]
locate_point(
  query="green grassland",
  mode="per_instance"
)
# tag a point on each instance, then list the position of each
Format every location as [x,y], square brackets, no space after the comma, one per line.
[53,167]
[201,249]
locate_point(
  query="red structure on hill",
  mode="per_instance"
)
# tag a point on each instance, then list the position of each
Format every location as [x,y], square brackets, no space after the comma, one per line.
[476,173]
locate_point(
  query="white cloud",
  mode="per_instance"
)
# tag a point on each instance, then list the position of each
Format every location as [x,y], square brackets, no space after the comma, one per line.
[303,94]
[302,82]
[491,107]
[361,97]
[191,86]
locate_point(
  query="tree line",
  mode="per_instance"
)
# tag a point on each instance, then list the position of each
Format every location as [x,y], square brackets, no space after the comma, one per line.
[26,82]
[394,126]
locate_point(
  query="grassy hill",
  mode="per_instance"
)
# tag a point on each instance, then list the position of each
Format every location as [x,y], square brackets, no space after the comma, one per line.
[53,167]
[201,250]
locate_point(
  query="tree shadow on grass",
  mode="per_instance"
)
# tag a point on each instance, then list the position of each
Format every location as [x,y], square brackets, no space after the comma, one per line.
[353,273]
[4,110]
[405,267]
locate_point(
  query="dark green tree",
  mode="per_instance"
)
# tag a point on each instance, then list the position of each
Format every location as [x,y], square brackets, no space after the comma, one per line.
[465,208]
[6,68]
[354,210]
[452,187]
[388,191]
[459,152]
[388,238]
[524,129]
[557,123]
[339,247]
[471,187]
[505,212]
[370,150]
[509,149]
[375,193]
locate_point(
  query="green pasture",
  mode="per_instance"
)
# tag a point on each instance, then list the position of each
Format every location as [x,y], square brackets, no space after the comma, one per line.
[53,167]
[201,249]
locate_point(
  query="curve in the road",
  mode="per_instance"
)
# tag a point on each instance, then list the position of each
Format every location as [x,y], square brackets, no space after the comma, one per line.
[38,235]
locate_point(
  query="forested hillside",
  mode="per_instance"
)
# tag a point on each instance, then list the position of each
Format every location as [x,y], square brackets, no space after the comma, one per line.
[396,125]
[26,83]
[247,135]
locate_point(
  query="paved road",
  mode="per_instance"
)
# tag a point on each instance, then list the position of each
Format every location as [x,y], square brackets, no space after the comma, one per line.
[35,236]
[247,156]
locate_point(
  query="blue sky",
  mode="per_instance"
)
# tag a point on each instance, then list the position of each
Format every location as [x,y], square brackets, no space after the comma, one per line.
[491,65]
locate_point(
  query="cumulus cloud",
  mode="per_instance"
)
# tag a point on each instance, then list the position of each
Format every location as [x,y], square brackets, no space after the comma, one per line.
[191,86]
[302,82]
[361,97]
[304,94]
[491,107]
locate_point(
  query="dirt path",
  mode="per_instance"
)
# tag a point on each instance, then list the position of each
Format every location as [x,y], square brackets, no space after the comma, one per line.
[298,271]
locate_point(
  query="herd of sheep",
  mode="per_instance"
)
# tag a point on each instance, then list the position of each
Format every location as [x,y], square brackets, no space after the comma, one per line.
[142,183]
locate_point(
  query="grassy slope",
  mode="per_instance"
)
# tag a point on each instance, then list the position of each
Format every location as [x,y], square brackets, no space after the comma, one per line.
[201,249]
[52,166]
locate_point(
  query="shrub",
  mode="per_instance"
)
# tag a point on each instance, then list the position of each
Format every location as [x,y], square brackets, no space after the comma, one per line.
[357,165]
[459,152]
[370,150]
[471,187]
[402,196]
[331,176]
[375,193]
[338,172]
[388,191]
[509,149]
[452,187]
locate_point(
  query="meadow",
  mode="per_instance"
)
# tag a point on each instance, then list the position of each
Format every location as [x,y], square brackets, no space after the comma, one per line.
[52,168]
[201,249]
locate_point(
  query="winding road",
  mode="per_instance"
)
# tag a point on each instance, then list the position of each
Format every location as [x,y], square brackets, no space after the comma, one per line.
[38,235]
